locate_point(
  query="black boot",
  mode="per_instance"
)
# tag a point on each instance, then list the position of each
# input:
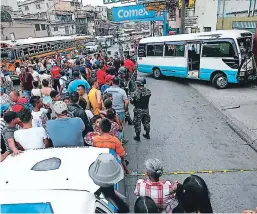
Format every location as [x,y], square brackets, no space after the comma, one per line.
[147,135]
[130,122]
[137,137]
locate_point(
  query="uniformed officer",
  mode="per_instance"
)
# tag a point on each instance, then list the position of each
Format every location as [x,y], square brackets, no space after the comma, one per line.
[123,84]
[140,99]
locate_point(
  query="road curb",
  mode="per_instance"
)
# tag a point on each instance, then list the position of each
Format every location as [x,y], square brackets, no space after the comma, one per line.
[239,128]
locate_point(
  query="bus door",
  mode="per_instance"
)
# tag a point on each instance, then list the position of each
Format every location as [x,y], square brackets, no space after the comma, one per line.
[193,59]
[174,60]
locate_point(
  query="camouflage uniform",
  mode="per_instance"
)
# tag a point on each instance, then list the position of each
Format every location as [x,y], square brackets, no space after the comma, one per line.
[140,98]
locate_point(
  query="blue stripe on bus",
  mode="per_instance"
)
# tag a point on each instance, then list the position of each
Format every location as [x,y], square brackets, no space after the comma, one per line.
[205,73]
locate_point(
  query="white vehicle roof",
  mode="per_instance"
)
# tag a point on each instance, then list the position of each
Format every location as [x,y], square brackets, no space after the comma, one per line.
[72,173]
[69,188]
[234,34]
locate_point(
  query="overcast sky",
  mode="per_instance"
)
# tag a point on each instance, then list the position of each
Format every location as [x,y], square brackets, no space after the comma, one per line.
[100,2]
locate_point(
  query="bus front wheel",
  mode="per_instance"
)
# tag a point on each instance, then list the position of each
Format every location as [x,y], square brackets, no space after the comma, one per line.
[157,73]
[220,81]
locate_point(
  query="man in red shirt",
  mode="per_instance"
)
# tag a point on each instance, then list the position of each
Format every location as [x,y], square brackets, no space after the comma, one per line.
[101,75]
[19,102]
[55,73]
[129,64]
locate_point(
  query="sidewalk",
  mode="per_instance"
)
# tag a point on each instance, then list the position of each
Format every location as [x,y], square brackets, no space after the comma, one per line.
[237,104]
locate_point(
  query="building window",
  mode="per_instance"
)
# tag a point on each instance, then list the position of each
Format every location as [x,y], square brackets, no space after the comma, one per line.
[43,27]
[37,26]
[174,50]
[218,49]
[38,6]
[72,27]
[26,7]
[155,50]
[47,5]
[206,29]
[55,28]
[71,3]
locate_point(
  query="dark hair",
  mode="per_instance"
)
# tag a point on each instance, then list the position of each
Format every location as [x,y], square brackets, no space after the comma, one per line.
[106,96]
[9,116]
[92,81]
[76,73]
[122,62]
[193,196]
[45,83]
[108,103]
[35,84]
[82,86]
[110,114]
[95,118]
[145,204]
[116,81]
[53,93]
[25,115]
[77,62]
[105,125]
[17,64]
[128,56]
[16,93]
[74,97]
[34,100]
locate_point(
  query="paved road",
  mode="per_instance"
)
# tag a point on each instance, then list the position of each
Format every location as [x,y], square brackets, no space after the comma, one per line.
[186,135]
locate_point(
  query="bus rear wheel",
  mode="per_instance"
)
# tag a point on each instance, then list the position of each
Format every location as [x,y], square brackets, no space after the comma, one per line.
[157,73]
[220,81]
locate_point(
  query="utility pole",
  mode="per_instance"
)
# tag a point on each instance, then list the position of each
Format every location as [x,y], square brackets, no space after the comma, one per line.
[183,16]
[223,14]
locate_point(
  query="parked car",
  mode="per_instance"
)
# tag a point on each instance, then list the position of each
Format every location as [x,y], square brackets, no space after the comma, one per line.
[54,180]
[92,47]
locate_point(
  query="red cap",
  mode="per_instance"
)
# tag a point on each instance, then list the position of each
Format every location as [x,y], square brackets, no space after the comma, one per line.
[109,77]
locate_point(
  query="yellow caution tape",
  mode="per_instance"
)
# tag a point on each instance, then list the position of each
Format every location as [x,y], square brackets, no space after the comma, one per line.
[199,172]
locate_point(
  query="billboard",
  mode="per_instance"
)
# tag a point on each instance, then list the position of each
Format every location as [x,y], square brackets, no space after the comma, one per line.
[135,13]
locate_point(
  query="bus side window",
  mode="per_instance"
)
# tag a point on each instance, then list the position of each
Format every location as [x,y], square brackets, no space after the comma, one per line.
[174,50]
[155,50]
[218,49]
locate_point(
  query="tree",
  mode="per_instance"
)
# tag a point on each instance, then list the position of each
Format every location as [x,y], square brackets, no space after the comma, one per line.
[109,14]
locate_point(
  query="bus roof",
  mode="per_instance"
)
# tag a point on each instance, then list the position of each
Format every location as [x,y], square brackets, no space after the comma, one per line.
[196,36]
[42,40]
[17,174]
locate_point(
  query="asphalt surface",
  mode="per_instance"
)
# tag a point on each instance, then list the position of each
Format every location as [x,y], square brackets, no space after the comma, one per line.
[187,134]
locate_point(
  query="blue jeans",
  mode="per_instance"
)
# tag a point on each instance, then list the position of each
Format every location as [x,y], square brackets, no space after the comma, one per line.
[122,116]
[27,94]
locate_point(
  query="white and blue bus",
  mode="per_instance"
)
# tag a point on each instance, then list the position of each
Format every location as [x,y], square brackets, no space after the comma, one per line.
[222,57]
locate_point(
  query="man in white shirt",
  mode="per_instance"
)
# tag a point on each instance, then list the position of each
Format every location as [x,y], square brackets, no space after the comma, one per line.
[39,114]
[34,74]
[30,137]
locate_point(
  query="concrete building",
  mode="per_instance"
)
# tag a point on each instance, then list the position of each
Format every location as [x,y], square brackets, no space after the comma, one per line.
[59,14]
[11,3]
[100,10]
[21,28]
[237,15]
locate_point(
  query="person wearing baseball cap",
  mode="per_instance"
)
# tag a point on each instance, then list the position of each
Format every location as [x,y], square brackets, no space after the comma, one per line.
[64,130]
[108,83]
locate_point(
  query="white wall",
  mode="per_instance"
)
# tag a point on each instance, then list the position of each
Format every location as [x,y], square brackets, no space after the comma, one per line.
[11,3]
[61,30]
[234,6]
[45,6]
[206,10]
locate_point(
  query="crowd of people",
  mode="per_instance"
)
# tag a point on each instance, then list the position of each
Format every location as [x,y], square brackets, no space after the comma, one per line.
[84,101]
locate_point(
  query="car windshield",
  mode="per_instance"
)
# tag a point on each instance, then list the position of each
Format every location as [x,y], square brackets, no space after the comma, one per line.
[90,43]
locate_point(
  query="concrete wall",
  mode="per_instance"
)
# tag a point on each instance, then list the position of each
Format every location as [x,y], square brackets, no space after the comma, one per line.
[32,7]
[206,11]
[61,30]
[21,30]
[12,3]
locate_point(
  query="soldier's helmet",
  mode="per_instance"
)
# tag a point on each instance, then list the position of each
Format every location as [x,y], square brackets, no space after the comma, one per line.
[140,81]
